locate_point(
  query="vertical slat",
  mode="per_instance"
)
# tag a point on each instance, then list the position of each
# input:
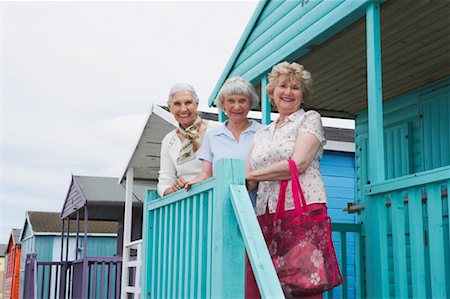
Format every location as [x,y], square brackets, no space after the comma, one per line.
[343,238]
[176,250]
[152,253]
[397,147]
[399,245]
[181,252]
[201,239]
[102,279]
[427,137]
[405,145]
[377,269]
[118,282]
[42,281]
[69,279]
[110,280]
[49,286]
[265,102]
[170,251]
[389,155]
[359,260]
[435,135]
[77,234]
[416,243]
[62,238]
[187,253]
[194,243]
[158,257]
[436,241]
[57,277]
[163,265]
[94,280]
[209,244]
[67,240]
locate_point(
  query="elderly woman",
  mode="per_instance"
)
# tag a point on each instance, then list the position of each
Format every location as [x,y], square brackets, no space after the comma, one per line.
[296,135]
[179,148]
[233,138]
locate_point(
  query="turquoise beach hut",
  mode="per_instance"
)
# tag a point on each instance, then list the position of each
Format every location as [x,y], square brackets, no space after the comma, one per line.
[385,64]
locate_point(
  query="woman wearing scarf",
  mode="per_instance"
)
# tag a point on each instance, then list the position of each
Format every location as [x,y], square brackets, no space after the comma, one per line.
[179,148]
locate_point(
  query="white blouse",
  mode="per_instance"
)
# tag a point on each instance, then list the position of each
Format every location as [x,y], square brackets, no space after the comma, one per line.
[169,170]
[272,145]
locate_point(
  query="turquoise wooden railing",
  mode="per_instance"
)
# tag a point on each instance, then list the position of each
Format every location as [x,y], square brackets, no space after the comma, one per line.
[411,230]
[193,246]
[194,242]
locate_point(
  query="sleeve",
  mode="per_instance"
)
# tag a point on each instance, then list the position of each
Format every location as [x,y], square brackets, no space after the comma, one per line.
[205,152]
[312,123]
[167,170]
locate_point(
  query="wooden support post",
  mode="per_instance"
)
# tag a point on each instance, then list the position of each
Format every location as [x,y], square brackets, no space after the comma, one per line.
[147,250]
[265,102]
[221,117]
[127,220]
[228,255]
[375,220]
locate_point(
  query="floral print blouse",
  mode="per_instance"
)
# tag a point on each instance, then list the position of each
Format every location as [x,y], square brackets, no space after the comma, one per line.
[271,145]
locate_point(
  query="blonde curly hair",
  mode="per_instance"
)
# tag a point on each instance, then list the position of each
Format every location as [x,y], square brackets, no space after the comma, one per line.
[295,72]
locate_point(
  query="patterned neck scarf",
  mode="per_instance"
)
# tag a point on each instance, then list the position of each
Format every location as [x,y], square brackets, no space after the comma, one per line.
[190,135]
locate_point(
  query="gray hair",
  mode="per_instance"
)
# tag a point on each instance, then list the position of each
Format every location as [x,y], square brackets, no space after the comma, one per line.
[237,86]
[182,87]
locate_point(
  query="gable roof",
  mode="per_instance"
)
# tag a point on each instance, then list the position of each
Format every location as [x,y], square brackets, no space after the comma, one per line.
[145,153]
[44,223]
[14,239]
[103,196]
[329,39]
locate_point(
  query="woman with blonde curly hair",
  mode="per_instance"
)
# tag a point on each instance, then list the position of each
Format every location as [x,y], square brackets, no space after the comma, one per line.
[297,135]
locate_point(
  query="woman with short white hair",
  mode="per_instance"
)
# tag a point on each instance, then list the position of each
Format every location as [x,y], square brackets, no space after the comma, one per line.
[233,138]
[180,147]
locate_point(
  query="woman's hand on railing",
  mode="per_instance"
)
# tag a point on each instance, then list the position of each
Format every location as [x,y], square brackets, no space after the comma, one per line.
[200,177]
[178,184]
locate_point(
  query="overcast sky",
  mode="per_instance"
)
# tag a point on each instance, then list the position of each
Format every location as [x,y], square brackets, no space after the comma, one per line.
[77,82]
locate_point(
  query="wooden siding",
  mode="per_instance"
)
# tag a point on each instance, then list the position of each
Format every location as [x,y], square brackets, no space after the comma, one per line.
[291,25]
[75,199]
[416,132]
[415,50]
[417,136]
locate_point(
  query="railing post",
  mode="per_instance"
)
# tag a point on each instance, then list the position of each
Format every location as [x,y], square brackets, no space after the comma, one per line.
[30,276]
[228,253]
[147,234]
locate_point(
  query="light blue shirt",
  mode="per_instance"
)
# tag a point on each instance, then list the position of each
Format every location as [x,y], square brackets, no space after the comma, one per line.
[219,143]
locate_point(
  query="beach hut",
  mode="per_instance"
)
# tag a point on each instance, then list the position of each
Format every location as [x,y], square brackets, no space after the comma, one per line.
[385,64]
[13,253]
[77,253]
[2,269]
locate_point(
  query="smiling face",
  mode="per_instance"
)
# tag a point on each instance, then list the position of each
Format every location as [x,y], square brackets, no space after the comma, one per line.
[184,107]
[236,107]
[287,95]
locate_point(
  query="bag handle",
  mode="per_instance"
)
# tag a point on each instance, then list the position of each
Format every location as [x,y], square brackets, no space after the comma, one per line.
[297,192]
[299,202]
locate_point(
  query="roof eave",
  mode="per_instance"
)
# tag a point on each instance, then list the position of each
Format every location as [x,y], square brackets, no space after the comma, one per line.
[237,50]
[154,109]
